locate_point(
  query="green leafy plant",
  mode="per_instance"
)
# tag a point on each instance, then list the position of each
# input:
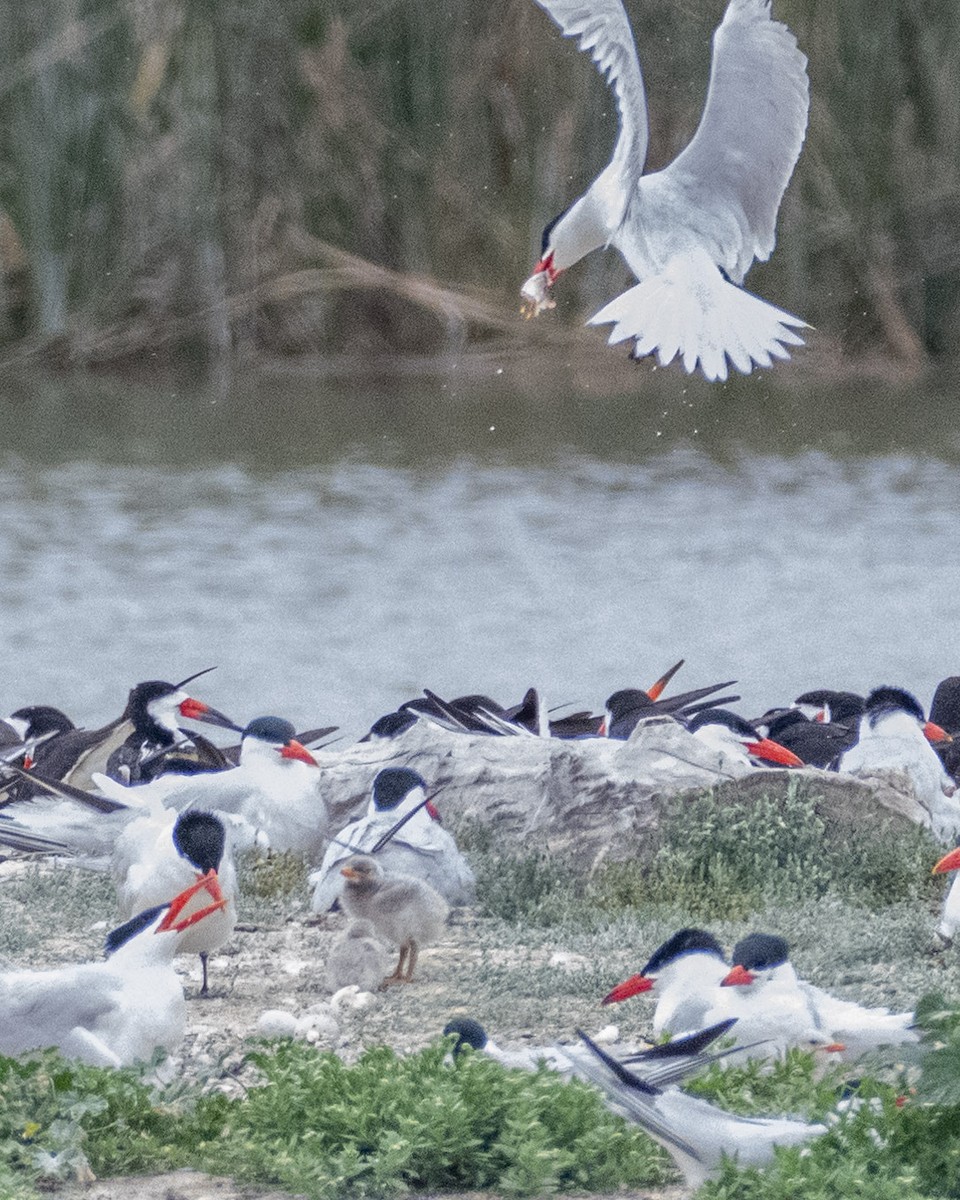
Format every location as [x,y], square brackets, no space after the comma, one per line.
[719,857]
[317,1126]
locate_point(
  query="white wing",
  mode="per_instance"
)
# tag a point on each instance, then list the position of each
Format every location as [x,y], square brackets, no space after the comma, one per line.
[602,28]
[42,1008]
[749,138]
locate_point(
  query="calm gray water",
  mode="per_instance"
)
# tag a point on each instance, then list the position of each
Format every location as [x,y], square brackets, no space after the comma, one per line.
[335,549]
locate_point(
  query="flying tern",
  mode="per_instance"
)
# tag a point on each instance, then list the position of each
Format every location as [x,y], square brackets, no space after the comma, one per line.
[690,232]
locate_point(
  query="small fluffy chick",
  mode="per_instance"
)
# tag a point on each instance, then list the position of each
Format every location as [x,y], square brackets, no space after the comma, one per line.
[357,957]
[404,911]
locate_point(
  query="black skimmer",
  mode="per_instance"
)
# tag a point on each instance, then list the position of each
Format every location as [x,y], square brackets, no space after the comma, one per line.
[147,724]
[690,232]
[815,743]
[730,734]
[830,705]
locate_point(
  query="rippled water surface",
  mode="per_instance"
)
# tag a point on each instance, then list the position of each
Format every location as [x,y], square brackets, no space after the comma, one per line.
[336,549]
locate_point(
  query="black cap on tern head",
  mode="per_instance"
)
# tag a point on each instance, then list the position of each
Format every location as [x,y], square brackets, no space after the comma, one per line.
[722,716]
[760,952]
[890,699]
[273,730]
[392,784]
[684,941]
[467,1031]
[200,837]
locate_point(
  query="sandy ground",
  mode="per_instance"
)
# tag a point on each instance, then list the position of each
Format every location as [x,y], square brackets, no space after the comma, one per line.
[525,993]
[528,986]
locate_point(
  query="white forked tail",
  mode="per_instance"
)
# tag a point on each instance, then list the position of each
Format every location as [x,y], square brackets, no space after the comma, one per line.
[690,310]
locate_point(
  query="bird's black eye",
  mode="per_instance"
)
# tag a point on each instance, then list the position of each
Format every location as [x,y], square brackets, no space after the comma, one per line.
[548,229]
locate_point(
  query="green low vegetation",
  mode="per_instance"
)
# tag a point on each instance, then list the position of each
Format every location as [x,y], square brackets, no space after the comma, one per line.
[720,859]
[857,910]
[313,1125]
[389,1124]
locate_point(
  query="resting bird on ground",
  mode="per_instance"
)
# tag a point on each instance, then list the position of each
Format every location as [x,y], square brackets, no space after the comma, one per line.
[421,847]
[896,736]
[771,994]
[684,973]
[816,743]
[273,795]
[696,1134]
[730,734]
[691,231]
[662,1065]
[356,958]
[687,974]
[116,1012]
[404,911]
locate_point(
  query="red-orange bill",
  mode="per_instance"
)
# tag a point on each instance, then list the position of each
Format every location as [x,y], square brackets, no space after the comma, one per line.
[934,733]
[655,691]
[630,987]
[737,977]
[771,751]
[949,862]
[183,912]
[295,749]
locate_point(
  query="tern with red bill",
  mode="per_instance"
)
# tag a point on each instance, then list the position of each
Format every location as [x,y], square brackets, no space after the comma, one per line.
[684,974]
[272,798]
[771,994]
[158,855]
[896,736]
[420,847]
[690,232]
[119,1011]
[732,735]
